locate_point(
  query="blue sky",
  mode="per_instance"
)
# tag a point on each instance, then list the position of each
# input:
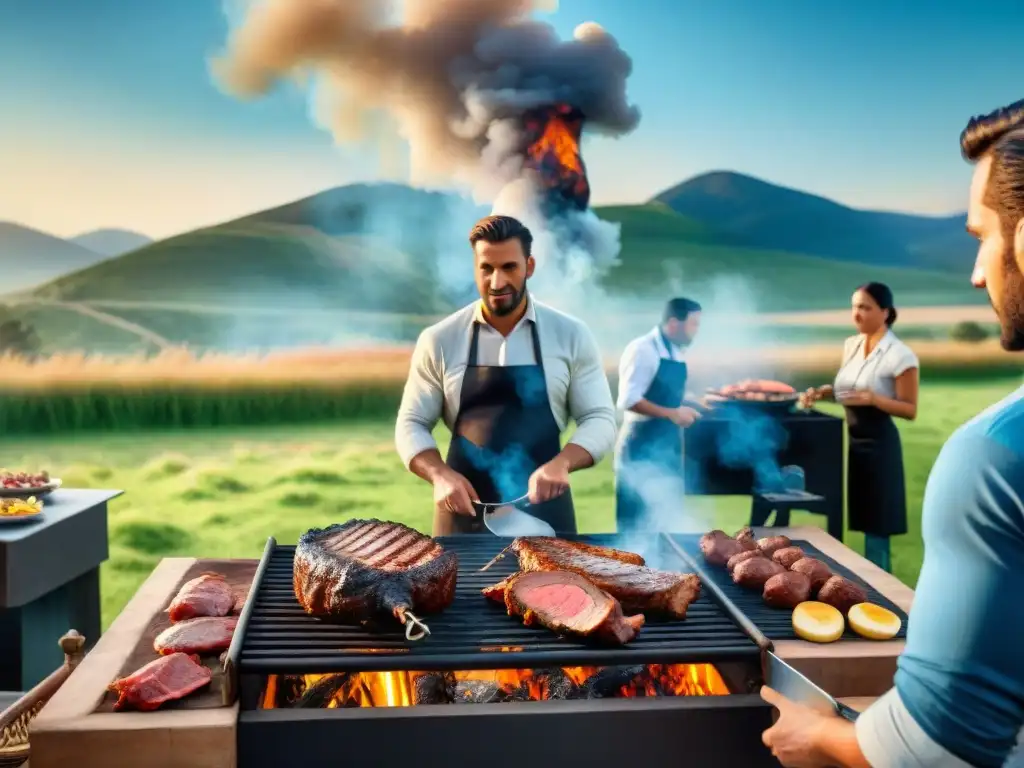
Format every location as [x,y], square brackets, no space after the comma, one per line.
[110,117]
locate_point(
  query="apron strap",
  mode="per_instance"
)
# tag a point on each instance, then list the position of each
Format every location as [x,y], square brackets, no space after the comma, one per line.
[536,345]
[474,339]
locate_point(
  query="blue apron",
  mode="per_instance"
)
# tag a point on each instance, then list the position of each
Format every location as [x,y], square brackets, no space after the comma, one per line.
[650,448]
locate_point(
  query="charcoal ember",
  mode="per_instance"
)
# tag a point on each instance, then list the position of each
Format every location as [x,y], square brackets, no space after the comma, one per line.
[480,692]
[319,694]
[607,683]
[435,688]
[558,685]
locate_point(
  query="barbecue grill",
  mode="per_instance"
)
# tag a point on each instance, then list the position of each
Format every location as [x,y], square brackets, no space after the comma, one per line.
[275,639]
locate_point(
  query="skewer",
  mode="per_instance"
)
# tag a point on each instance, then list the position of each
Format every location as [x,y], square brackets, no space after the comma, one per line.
[413,626]
[496,558]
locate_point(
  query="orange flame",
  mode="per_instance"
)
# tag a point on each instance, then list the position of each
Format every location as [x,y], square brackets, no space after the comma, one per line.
[398,689]
[553,151]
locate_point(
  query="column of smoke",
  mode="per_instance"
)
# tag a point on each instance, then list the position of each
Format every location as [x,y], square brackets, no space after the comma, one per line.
[451,80]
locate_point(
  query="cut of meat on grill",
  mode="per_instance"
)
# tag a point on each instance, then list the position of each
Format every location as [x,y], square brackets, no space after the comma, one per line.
[165,679]
[496,592]
[596,550]
[765,386]
[569,604]
[206,595]
[205,635]
[639,589]
[357,570]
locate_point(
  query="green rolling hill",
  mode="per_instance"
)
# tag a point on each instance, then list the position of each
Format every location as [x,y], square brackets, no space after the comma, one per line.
[369,262]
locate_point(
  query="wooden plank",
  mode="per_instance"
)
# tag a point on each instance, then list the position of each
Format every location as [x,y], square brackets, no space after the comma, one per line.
[847,668]
[68,731]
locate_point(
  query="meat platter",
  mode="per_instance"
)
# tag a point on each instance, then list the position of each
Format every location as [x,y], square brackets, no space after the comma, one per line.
[21,485]
[761,393]
[181,655]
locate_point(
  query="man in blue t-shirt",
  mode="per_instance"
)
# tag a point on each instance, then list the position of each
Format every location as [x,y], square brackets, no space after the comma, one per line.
[958,698]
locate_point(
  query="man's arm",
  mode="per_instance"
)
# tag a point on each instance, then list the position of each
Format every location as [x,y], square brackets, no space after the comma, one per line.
[421,408]
[590,406]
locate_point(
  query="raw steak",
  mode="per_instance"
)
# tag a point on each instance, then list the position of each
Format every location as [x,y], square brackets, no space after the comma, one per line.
[568,604]
[207,595]
[638,588]
[353,571]
[165,679]
[207,634]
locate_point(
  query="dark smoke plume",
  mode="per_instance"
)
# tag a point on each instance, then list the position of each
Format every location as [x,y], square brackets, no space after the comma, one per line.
[452,77]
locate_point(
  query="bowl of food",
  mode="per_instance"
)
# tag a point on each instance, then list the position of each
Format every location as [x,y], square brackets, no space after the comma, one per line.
[13,511]
[21,485]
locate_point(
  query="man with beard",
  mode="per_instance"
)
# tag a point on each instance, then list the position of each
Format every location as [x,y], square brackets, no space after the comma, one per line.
[958,698]
[506,374]
[652,390]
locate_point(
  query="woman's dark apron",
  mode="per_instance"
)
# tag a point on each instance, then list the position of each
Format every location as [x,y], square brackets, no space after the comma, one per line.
[503,432]
[876,495]
[651,447]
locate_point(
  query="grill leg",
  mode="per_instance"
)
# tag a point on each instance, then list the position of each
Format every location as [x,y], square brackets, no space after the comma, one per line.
[760,509]
[781,517]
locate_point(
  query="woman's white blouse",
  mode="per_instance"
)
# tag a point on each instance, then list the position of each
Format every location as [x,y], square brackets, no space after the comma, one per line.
[879,371]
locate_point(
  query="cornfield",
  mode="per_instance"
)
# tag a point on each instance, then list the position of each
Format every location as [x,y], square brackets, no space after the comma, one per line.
[177,389]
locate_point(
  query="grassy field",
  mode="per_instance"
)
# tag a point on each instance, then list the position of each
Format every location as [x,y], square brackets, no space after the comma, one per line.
[221,493]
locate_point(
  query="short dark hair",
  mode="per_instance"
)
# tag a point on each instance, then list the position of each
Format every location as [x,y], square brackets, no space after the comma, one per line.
[498,229]
[1001,134]
[679,308]
[882,294]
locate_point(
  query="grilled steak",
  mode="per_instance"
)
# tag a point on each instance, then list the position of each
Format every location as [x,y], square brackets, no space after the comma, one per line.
[351,572]
[638,588]
[207,595]
[207,634]
[496,592]
[596,550]
[165,679]
[568,604]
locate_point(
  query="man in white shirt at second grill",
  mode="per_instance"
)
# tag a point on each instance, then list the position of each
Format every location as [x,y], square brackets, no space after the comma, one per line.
[506,374]
[652,394]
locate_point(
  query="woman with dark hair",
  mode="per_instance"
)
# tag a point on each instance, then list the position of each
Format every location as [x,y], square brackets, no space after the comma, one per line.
[878,380]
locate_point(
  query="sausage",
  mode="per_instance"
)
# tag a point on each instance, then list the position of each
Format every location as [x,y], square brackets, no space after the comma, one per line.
[787,556]
[769,544]
[842,594]
[753,573]
[739,557]
[787,590]
[718,546]
[746,537]
[813,569]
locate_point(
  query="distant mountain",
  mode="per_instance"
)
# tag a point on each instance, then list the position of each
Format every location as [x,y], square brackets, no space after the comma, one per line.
[111,242]
[755,213]
[29,257]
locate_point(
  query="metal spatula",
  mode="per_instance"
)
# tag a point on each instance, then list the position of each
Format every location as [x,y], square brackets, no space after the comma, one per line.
[509,519]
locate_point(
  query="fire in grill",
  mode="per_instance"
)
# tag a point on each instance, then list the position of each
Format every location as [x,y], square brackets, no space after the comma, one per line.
[309,688]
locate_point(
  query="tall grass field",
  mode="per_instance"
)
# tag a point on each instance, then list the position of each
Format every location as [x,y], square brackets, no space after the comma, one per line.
[176,389]
[221,492]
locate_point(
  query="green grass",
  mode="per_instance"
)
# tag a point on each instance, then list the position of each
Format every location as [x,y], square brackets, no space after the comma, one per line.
[221,493]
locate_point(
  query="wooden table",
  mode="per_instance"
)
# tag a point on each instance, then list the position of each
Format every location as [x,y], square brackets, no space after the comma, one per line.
[50,582]
[852,669]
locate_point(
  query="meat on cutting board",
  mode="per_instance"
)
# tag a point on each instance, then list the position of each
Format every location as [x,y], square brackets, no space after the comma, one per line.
[568,604]
[206,634]
[355,570]
[165,679]
[638,588]
[206,595]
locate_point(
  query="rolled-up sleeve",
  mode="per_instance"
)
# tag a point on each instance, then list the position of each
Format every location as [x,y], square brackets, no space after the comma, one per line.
[590,399]
[422,401]
[637,369]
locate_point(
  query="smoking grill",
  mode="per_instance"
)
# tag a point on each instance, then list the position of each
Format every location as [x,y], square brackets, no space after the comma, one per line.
[276,643]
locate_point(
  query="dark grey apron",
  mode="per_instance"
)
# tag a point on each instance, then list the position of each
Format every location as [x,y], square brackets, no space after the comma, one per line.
[654,444]
[876,495]
[503,432]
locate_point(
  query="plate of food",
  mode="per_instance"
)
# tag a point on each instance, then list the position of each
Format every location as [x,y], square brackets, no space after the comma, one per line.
[21,485]
[14,511]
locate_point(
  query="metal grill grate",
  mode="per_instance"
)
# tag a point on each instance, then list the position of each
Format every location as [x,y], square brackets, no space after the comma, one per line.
[474,633]
[777,623]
